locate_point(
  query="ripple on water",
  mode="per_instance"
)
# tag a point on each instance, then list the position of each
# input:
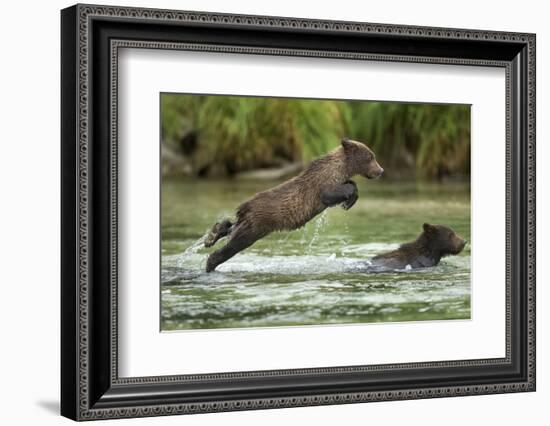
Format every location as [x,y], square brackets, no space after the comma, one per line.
[315,275]
[254,289]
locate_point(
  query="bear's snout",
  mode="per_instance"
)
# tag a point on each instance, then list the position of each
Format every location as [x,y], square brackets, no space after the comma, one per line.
[374,172]
[460,244]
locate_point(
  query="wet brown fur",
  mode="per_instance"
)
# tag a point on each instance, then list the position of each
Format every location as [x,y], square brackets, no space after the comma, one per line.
[295,202]
[435,242]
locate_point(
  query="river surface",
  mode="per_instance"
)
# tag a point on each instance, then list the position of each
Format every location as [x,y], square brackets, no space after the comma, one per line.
[314,275]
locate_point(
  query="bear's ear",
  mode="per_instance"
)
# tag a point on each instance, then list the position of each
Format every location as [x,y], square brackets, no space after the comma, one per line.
[347,143]
[428,228]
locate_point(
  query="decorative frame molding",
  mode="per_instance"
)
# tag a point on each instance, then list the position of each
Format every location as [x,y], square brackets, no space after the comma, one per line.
[91,388]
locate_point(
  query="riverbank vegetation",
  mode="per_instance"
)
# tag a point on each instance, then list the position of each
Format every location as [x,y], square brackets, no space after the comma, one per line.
[213,136]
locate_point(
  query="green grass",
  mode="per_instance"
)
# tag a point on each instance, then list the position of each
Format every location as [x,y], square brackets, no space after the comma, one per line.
[231,134]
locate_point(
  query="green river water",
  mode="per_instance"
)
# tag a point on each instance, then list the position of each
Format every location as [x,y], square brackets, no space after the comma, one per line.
[314,275]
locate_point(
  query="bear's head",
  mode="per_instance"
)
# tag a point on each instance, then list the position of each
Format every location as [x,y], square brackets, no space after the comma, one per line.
[361,160]
[443,240]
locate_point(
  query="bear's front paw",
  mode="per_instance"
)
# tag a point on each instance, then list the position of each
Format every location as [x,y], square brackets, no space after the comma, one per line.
[351,197]
[348,204]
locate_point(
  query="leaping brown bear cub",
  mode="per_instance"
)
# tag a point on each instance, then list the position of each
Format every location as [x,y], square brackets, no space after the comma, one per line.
[435,242]
[290,205]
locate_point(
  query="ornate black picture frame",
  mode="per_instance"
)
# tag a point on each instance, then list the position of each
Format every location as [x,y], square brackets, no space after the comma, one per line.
[91,36]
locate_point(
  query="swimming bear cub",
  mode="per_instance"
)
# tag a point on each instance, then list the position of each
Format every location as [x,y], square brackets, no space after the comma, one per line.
[326,182]
[435,242]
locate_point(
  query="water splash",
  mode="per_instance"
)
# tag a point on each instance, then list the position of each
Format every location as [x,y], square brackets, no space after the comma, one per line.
[191,250]
[252,291]
[318,225]
[346,234]
[257,290]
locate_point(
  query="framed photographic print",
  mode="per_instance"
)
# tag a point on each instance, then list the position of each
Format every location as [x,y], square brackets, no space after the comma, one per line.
[263,212]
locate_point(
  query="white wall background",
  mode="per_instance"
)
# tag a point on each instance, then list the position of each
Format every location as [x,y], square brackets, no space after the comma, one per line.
[29,214]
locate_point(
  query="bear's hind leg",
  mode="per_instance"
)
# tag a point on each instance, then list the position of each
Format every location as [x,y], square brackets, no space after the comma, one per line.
[241,238]
[219,230]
